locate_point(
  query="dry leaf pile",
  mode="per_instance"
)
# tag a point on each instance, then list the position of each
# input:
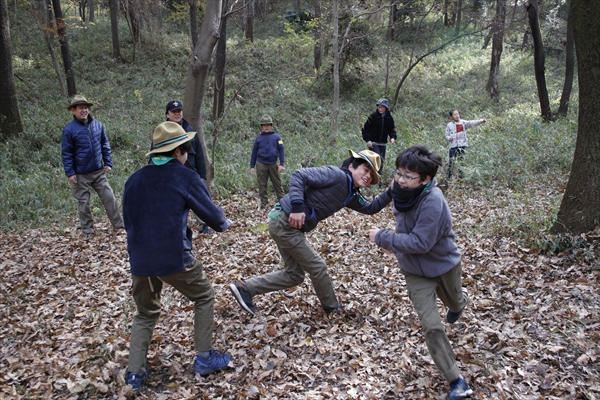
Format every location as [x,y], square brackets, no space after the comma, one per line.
[530,331]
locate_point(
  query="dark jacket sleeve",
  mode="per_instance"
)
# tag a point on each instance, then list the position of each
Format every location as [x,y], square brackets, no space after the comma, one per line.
[105,146]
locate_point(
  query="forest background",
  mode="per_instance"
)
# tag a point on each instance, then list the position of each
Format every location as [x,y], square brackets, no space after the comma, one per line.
[535,313]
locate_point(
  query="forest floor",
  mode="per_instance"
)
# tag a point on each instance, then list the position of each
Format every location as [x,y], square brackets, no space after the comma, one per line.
[530,331]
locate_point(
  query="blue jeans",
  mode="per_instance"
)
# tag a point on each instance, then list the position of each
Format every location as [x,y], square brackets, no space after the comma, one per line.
[456,153]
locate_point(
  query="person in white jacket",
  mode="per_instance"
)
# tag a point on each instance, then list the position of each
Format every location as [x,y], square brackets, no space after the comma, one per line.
[457,138]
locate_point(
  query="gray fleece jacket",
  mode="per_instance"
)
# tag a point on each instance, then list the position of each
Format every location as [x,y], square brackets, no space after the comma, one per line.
[424,240]
[322,191]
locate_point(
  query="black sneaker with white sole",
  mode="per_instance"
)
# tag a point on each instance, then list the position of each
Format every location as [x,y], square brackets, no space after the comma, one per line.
[242,295]
[452,316]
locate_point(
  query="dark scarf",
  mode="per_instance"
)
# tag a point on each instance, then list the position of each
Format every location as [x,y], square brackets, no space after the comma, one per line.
[405,199]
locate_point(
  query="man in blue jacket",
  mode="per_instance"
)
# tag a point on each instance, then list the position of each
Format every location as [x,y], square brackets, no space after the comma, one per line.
[156,203]
[86,159]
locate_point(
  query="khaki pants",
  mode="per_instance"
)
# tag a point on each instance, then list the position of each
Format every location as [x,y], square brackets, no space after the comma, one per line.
[423,293]
[299,259]
[264,172]
[193,284]
[81,191]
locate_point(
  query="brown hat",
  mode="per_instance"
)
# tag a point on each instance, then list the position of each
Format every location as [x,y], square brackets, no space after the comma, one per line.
[373,161]
[167,136]
[79,99]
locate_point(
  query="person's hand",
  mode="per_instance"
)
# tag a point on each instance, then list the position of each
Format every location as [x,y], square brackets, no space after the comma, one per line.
[484,120]
[450,139]
[297,220]
[73,179]
[106,169]
[252,171]
[372,233]
[369,144]
[280,168]
[393,141]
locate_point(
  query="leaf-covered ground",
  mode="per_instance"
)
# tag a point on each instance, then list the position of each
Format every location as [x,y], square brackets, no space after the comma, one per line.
[530,331]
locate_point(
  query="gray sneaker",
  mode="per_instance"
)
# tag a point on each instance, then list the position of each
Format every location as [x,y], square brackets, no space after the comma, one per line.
[452,316]
[242,295]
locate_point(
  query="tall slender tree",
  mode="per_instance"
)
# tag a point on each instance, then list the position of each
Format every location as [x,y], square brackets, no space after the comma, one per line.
[569,69]
[114,28]
[48,30]
[538,58]
[61,30]
[498,38]
[197,77]
[10,117]
[580,207]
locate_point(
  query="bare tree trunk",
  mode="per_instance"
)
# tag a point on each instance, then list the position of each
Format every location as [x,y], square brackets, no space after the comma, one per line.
[459,7]
[10,117]
[48,29]
[318,50]
[391,21]
[336,71]
[498,28]
[569,69]
[538,59]
[114,28]
[92,6]
[220,62]
[580,208]
[194,22]
[64,47]
[159,14]
[446,6]
[249,32]
[197,77]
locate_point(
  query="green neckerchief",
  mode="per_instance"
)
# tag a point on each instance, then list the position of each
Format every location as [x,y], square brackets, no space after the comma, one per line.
[161,160]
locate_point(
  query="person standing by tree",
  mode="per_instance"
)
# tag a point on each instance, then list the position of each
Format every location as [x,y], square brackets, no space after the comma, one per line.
[87,157]
[195,160]
[156,204]
[457,137]
[268,147]
[315,194]
[379,126]
[427,255]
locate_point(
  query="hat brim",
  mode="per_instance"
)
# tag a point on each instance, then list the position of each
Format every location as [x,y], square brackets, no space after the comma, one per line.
[78,103]
[376,177]
[174,145]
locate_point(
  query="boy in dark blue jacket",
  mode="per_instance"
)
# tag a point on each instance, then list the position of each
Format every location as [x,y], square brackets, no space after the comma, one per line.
[268,146]
[156,203]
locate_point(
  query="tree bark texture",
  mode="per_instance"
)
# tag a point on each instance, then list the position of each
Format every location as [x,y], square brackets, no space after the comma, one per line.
[336,71]
[498,38]
[220,62]
[538,59]
[114,28]
[318,50]
[10,117]
[194,22]
[563,108]
[249,32]
[61,30]
[459,7]
[197,76]
[48,30]
[580,207]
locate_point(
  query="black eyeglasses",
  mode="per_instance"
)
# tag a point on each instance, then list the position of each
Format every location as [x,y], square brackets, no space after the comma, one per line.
[398,175]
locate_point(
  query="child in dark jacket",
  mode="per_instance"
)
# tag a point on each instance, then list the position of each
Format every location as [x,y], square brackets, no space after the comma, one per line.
[268,147]
[315,194]
[427,255]
[156,203]
[377,128]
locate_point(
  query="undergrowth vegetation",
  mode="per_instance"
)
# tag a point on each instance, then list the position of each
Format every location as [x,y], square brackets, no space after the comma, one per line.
[513,152]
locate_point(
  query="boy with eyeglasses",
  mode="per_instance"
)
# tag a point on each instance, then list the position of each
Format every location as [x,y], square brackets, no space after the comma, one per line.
[423,243]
